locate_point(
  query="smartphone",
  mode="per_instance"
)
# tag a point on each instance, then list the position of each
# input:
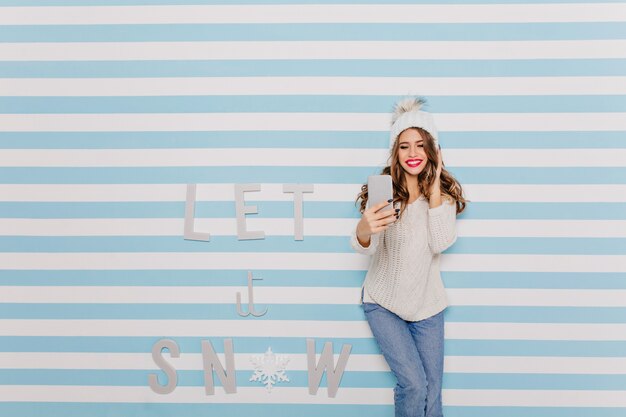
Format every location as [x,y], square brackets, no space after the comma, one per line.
[379,189]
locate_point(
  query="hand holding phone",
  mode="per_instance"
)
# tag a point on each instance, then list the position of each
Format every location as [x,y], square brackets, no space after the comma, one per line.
[380,213]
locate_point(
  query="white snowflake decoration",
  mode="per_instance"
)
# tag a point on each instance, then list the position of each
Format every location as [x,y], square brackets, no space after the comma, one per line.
[269,368]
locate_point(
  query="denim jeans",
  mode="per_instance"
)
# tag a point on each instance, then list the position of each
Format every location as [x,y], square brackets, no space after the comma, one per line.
[414,353]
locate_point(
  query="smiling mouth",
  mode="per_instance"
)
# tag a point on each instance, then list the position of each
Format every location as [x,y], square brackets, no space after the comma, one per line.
[413,162]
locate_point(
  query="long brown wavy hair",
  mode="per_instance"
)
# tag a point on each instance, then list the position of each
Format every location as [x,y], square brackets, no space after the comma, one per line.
[450,187]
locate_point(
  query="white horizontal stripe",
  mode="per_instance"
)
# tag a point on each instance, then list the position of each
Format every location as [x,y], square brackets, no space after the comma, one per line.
[534,365]
[430,86]
[303,157]
[186,361]
[564,193]
[213,50]
[185,295]
[300,295]
[535,331]
[300,328]
[536,297]
[533,157]
[322,13]
[298,362]
[311,227]
[191,328]
[534,263]
[299,261]
[300,395]
[540,228]
[451,122]
[525,193]
[534,398]
[281,394]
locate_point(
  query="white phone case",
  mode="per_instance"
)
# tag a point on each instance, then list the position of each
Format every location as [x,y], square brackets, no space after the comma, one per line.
[379,189]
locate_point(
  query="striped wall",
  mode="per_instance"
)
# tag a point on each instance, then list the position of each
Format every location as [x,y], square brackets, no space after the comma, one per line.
[108,109]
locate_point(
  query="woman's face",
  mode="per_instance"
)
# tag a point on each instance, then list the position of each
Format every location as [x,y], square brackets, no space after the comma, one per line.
[411,153]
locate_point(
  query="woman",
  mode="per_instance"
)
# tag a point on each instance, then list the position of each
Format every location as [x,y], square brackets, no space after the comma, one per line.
[403,296]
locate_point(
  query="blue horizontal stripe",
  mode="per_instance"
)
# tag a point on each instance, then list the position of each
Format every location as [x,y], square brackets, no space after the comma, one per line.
[303,278]
[268,139]
[177,32]
[304,139]
[180,311]
[509,314]
[524,411]
[204,209]
[535,280]
[546,211]
[322,67]
[319,312]
[453,347]
[66,409]
[56,409]
[186,378]
[311,209]
[178,278]
[310,244]
[306,103]
[557,348]
[186,344]
[525,381]
[296,174]
[356,379]
[539,245]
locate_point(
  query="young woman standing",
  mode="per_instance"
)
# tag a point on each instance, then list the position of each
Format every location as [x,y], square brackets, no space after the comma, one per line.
[403,296]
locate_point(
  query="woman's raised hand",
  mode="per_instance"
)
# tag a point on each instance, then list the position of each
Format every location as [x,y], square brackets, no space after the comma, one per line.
[375,221]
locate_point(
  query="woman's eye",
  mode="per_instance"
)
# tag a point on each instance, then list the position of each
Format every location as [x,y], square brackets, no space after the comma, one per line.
[404,147]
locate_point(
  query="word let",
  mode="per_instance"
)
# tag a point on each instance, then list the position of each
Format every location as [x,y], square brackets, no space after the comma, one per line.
[241,210]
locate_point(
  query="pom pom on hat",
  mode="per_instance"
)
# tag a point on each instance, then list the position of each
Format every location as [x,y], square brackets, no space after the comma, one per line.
[407,114]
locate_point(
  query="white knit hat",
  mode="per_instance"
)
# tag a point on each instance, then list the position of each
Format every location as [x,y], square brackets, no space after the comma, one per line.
[407,114]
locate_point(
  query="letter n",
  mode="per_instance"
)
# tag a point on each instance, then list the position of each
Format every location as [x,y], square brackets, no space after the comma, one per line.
[212,363]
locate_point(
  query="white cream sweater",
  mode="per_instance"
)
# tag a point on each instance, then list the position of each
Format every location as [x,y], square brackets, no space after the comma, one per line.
[403,274]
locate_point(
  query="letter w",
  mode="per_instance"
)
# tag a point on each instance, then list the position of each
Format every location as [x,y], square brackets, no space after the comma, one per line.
[326,363]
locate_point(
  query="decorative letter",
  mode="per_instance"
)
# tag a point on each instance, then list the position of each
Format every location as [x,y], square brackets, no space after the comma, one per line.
[298,189]
[251,309]
[242,210]
[172,378]
[211,362]
[326,362]
[189,233]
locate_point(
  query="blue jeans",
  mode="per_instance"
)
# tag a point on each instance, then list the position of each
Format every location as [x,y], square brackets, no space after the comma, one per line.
[414,352]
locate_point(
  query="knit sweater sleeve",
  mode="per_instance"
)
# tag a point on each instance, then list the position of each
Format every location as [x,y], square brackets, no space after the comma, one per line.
[371,249]
[442,226]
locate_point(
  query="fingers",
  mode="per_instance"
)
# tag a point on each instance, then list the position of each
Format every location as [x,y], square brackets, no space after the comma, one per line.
[380,205]
[384,226]
[378,215]
[378,220]
[386,219]
[380,229]
[385,214]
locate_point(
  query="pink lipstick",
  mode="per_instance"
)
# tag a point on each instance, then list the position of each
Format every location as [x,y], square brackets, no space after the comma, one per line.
[413,163]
